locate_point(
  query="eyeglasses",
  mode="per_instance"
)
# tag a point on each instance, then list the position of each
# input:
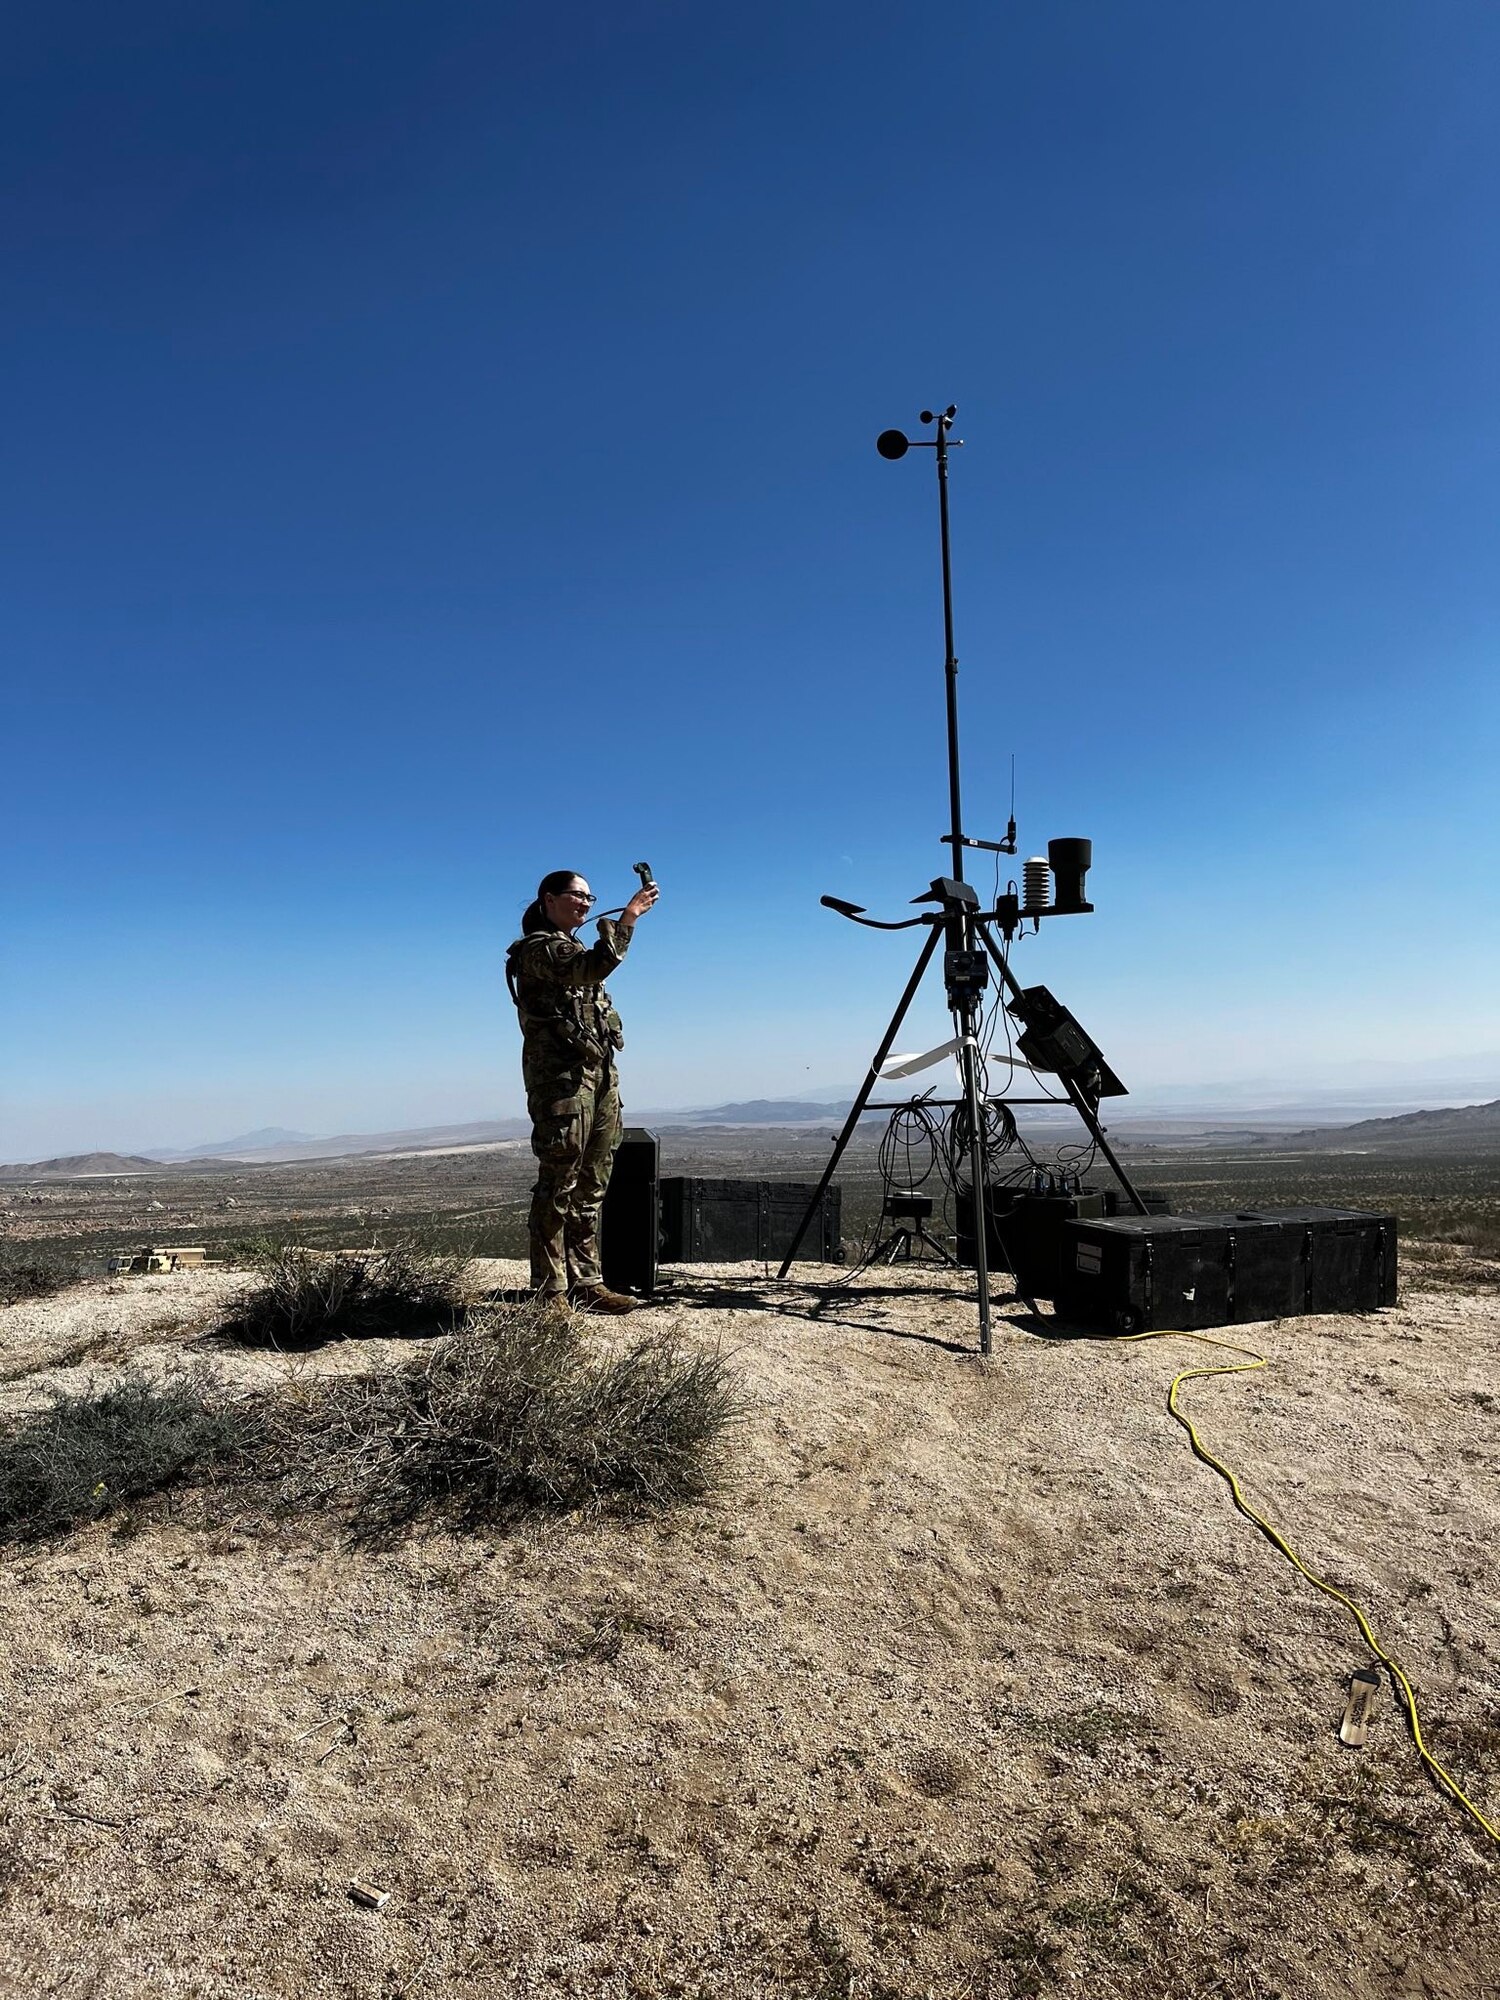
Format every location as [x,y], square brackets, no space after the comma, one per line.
[577,896]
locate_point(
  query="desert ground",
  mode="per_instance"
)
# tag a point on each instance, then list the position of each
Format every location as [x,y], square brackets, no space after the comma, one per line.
[969,1682]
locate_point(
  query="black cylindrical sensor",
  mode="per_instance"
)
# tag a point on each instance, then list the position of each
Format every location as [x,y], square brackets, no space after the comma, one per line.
[1070,861]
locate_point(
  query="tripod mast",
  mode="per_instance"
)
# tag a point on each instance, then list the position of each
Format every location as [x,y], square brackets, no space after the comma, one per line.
[950,664]
[963,998]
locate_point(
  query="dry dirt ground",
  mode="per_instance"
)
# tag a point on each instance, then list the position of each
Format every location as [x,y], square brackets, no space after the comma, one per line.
[973,1684]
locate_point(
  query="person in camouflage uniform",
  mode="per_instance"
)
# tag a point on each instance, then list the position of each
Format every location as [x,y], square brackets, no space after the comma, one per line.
[570,1038]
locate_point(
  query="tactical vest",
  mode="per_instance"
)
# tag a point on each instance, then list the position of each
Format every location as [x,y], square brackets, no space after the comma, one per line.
[578,1021]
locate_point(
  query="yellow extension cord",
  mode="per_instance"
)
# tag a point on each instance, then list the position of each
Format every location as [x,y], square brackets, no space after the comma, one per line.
[1408,1693]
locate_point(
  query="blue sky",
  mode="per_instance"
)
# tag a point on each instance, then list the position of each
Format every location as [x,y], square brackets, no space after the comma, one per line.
[440,449]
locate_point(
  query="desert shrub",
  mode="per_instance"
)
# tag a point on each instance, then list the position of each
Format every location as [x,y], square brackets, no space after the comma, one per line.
[306,1297]
[96,1448]
[35,1273]
[520,1412]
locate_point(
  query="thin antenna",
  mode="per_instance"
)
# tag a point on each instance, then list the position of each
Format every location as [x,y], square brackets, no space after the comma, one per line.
[1010,831]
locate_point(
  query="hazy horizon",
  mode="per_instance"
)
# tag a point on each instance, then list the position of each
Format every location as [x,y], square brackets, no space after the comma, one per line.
[1434,1083]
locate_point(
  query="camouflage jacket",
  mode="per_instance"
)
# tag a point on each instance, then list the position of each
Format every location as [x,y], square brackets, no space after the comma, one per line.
[557,983]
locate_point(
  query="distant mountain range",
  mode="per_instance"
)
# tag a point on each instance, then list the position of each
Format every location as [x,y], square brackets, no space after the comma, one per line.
[1340,1093]
[1465,1124]
[248,1142]
[81,1166]
[272,1144]
[1461,1124]
[755,1111]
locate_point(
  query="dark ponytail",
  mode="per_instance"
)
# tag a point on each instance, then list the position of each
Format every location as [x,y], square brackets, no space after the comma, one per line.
[535,918]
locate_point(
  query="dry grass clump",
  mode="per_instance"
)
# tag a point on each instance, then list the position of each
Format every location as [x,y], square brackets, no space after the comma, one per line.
[1472,1223]
[306,1297]
[521,1413]
[1450,1266]
[97,1448]
[35,1273]
[524,1409]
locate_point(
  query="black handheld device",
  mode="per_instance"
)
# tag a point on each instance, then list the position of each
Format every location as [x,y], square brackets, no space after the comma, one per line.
[643,869]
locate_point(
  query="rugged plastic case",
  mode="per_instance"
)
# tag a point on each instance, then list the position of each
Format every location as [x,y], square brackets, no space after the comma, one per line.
[708,1221]
[1135,1273]
[629,1222]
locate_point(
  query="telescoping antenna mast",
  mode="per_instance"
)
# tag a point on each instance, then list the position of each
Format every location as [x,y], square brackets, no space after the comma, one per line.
[1056,1041]
[893,445]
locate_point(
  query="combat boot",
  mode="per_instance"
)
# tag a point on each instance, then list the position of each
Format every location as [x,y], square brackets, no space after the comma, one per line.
[600,1299]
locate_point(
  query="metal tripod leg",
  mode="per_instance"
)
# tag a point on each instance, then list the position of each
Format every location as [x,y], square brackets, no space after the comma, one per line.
[932,1243]
[898,1248]
[1080,1103]
[976,1171]
[924,959]
[1090,1117]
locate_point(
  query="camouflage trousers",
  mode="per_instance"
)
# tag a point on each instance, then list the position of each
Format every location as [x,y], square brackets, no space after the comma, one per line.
[574,1138]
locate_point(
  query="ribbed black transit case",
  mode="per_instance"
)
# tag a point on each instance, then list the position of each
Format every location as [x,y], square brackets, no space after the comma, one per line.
[713,1221]
[1133,1273]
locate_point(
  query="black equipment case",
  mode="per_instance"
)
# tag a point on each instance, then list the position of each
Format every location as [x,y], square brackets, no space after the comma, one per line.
[728,1222]
[1137,1272]
[1024,1229]
[1023,1232]
[630,1221]
[1157,1200]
